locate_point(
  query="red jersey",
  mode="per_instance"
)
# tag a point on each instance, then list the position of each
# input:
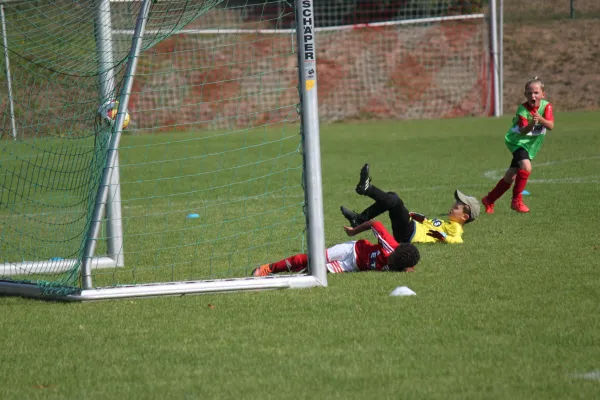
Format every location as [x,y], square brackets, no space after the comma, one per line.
[371,256]
[548,114]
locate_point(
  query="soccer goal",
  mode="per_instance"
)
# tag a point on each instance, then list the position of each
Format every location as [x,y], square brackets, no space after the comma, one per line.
[216,172]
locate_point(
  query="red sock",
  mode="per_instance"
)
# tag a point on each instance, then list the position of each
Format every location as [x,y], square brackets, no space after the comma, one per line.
[520,183]
[291,264]
[501,187]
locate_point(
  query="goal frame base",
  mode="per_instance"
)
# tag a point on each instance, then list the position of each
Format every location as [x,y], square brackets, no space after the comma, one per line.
[8,288]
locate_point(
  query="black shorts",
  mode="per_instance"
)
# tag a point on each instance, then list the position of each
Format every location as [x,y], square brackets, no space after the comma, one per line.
[519,154]
[403,228]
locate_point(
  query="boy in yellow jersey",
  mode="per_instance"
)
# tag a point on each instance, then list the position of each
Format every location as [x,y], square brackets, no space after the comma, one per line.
[410,227]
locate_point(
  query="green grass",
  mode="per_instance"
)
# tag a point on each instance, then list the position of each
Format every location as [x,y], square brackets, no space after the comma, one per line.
[511,313]
[245,185]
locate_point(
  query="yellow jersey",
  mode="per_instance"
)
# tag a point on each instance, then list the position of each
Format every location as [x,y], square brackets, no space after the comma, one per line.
[452,230]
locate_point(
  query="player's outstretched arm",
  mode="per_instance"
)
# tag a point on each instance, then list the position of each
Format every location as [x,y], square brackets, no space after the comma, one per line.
[365,226]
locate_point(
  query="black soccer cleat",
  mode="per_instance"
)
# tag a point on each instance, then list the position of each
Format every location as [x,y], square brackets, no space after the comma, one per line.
[354,218]
[365,180]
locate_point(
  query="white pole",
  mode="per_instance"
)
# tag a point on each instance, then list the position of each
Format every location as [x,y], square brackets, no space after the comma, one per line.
[307,63]
[501,58]
[494,39]
[113,147]
[106,84]
[11,106]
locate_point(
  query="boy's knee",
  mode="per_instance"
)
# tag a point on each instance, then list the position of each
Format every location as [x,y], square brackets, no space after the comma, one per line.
[394,198]
[526,166]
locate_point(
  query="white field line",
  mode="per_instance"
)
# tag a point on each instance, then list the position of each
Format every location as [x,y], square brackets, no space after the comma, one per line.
[592,375]
[495,174]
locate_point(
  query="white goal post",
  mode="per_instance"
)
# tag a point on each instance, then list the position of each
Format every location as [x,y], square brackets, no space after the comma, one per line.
[108,196]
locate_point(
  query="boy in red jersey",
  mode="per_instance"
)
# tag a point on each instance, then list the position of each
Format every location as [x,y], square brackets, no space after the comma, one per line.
[524,139]
[354,256]
[412,227]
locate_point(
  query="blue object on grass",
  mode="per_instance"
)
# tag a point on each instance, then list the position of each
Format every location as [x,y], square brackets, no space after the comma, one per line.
[193,216]
[56,259]
[525,193]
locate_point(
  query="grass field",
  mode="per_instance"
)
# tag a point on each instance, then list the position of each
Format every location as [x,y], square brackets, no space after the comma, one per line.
[512,313]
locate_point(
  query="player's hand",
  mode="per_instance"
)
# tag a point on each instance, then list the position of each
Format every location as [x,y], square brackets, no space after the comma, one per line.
[536,118]
[349,231]
[417,217]
[441,236]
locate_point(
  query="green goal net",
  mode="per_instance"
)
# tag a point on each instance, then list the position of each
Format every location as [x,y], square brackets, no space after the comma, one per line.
[208,181]
[150,141]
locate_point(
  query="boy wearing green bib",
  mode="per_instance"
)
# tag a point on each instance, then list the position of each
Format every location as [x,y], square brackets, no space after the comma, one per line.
[524,139]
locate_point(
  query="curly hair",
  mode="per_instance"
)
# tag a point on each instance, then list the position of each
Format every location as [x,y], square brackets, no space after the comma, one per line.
[404,258]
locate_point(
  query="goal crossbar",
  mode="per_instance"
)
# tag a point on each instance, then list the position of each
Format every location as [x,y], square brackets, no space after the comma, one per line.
[415,21]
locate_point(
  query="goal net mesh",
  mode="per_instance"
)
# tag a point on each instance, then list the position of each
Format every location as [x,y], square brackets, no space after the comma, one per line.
[210,163]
